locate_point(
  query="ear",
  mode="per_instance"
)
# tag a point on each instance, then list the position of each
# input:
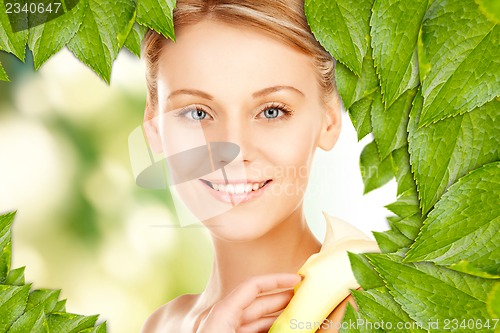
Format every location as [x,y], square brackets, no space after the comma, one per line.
[151,128]
[332,123]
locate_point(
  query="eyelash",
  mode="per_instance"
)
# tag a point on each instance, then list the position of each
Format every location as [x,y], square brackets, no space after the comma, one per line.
[189,109]
[286,111]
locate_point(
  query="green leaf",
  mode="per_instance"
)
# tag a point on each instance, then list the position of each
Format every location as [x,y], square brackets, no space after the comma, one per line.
[445,151]
[358,93]
[134,39]
[463,230]
[346,82]
[97,42]
[409,226]
[33,320]
[3,74]
[429,292]
[5,228]
[402,233]
[374,172]
[395,45]
[45,298]
[490,9]
[359,113]
[389,126]
[391,241]
[353,88]
[352,320]
[22,311]
[10,41]
[60,306]
[424,64]
[391,313]
[406,204]
[402,170]
[16,277]
[5,244]
[157,15]
[408,220]
[493,302]
[69,323]
[342,27]
[131,15]
[462,47]
[99,329]
[47,39]
[364,272]
[13,301]
[5,261]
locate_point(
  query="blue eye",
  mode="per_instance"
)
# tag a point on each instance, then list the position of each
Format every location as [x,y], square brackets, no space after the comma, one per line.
[194,113]
[198,114]
[271,113]
[275,112]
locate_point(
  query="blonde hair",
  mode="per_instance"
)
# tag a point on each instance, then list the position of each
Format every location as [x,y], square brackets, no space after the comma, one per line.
[283,19]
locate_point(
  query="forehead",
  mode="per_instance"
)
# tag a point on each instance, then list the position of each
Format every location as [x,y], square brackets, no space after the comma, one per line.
[210,54]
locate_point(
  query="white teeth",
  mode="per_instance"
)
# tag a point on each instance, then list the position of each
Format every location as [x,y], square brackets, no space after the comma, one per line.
[237,188]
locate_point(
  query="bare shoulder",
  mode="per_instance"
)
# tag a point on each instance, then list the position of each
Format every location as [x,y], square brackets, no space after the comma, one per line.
[169,316]
[332,323]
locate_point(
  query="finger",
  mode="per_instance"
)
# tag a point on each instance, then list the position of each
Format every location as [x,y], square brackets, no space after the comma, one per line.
[266,305]
[258,326]
[230,309]
[248,291]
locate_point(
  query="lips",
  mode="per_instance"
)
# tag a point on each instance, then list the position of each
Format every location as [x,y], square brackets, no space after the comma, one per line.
[236,188]
[235,192]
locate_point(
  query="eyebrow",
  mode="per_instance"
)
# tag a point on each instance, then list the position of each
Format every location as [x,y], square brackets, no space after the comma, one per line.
[270,90]
[192,92]
[260,93]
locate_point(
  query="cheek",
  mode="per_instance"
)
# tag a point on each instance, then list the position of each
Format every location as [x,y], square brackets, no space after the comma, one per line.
[177,137]
[292,146]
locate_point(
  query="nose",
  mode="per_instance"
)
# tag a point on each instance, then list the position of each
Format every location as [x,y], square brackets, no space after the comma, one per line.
[199,161]
[237,135]
[222,153]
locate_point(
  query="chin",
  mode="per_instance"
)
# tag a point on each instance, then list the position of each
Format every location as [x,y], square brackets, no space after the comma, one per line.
[238,226]
[246,223]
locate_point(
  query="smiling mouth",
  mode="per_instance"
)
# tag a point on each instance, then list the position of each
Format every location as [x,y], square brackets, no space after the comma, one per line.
[237,188]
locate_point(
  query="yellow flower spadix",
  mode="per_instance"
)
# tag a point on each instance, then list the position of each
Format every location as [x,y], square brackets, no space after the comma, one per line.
[327,280]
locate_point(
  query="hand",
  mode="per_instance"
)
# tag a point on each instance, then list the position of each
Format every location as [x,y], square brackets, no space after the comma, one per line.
[251,307]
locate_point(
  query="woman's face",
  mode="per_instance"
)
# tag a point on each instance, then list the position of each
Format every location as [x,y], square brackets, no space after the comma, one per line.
[240,115]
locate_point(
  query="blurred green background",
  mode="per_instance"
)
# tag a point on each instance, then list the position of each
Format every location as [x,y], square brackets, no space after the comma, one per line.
[82,223]
[85,227]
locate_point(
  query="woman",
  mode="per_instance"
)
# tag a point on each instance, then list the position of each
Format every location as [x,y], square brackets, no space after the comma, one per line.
[247,81]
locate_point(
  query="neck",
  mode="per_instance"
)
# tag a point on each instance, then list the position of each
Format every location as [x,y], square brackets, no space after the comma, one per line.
[282,250]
